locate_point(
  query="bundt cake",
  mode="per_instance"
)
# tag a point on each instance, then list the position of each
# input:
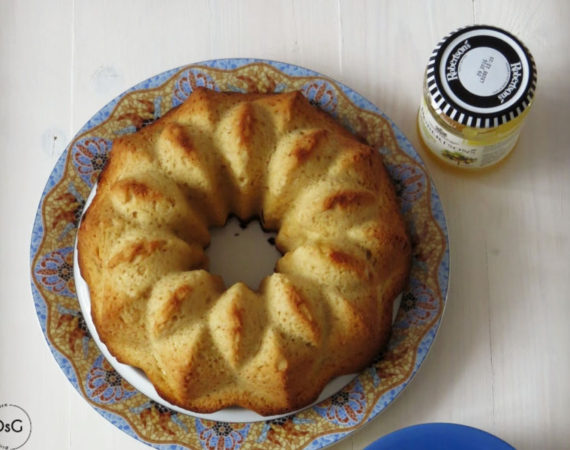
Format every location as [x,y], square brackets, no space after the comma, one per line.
[327,308]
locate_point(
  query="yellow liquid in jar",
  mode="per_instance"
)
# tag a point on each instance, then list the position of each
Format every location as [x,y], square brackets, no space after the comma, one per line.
[478,88]
[464,146]
[452,166]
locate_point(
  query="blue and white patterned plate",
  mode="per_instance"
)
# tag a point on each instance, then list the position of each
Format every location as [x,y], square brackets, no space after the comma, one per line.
[97,381]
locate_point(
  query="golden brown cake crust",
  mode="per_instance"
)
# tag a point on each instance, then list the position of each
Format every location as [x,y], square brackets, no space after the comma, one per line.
[326,310]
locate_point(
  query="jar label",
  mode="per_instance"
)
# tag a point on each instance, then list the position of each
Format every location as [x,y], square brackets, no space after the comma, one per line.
[458,151]
[484,71]
[480,76]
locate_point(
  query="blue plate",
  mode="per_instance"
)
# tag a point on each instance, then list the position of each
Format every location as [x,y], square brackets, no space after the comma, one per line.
[439,436]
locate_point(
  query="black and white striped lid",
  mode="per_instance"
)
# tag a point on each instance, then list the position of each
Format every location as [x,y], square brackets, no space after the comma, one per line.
[481,76]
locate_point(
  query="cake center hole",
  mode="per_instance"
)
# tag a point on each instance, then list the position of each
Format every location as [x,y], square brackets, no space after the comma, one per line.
[242,252]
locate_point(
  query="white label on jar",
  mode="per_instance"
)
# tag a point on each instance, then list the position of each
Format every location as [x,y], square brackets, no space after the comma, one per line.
[484,71]
[458,151]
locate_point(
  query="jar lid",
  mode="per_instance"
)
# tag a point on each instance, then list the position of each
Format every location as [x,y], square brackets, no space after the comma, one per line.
[481,76]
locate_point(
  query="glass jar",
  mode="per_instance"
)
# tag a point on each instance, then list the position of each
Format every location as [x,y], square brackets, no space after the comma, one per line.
[478,89]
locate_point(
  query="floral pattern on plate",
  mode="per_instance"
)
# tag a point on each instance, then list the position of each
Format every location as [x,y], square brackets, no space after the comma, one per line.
[59,314]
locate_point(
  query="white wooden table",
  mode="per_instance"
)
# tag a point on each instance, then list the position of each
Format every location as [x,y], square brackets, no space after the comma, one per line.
[501,360]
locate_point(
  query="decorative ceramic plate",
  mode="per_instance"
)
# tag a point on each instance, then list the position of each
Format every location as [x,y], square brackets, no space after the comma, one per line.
[115,399]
